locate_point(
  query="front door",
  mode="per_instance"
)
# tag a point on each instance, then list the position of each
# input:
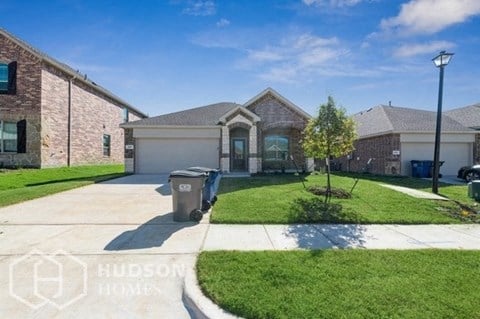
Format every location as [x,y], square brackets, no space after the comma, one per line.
[239,155]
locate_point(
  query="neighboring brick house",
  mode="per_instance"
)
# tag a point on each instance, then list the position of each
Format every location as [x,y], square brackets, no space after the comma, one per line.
[469,116]
[51,115]
[389,138]
[264,134]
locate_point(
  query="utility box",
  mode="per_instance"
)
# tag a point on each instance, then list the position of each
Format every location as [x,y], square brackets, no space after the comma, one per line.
[474,190]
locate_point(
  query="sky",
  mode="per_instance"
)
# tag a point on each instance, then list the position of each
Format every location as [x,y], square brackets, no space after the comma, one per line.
[164,56]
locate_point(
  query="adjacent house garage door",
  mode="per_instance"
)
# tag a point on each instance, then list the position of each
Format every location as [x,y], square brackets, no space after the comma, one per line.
[164,155]
[455,155]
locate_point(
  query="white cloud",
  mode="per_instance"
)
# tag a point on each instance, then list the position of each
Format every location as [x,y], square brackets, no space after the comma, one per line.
[332,3]
[430,16]
[408,50]
[223,22]
[295,57]
[200,8]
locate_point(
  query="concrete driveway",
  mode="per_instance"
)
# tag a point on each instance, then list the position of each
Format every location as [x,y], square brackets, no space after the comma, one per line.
[108,250]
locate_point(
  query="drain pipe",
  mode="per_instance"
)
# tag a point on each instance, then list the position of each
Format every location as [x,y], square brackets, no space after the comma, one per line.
[69,120]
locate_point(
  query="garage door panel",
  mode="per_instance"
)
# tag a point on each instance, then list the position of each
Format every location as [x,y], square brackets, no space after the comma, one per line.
[165,155]
[454,155]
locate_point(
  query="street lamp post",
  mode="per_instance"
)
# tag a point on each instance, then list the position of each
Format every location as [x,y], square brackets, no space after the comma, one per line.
[440,61]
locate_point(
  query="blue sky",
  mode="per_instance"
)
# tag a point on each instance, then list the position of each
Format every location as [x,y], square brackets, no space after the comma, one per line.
[167,55]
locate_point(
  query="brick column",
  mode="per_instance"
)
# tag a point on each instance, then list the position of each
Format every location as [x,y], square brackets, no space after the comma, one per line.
[225,151]
[252,151]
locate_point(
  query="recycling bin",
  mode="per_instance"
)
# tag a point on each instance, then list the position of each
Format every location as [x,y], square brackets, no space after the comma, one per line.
[418,169]
[187,189]
[423,169]
[474,190]
[210,189]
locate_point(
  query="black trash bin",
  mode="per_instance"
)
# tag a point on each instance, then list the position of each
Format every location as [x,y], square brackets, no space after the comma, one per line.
[187,189]
[209,193]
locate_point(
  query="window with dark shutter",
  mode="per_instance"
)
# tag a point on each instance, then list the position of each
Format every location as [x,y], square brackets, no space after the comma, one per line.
[8,137]
[12,77]
[8,78]
[22,136]
[3,78]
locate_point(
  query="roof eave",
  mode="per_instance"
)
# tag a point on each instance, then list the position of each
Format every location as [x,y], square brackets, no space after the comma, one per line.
[183,127]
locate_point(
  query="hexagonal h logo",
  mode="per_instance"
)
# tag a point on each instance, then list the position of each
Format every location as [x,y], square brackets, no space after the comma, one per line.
[58,279]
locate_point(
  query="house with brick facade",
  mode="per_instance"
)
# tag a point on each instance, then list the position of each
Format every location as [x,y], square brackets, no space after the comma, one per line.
[389,138]
[260,135]
[51,115]
[469,116]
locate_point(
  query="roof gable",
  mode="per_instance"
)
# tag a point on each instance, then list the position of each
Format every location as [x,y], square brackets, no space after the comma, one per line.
[239,110]
[279,97]
[468,116]
[384,119]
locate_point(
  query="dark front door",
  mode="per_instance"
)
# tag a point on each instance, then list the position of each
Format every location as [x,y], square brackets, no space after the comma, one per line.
[239,155]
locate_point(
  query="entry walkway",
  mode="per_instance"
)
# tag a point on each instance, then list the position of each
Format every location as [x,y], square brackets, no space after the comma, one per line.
[413,192]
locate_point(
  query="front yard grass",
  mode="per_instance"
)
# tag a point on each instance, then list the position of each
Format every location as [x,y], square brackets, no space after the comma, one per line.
[25,184]
[276,199]
[343,283]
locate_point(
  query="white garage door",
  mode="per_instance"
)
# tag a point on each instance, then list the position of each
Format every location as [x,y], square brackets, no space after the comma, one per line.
[164,155]
[455,155]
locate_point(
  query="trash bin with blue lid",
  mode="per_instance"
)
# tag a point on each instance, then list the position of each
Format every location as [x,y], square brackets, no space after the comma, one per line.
[209,193]
[187,189]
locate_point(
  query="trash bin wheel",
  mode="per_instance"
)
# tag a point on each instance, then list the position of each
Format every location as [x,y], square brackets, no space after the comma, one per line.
[196,215]
[214,199]
[206,205]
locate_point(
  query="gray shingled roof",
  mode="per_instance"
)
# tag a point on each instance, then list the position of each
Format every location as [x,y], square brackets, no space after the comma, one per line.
[208,115]
[67,69]
[468,116]
[389,119]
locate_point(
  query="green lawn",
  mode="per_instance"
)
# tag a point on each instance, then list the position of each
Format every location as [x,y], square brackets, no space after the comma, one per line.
[283,199]
[343,283]
[24,184]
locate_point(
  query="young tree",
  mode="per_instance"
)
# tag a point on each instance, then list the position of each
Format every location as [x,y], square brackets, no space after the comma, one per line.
[330,134]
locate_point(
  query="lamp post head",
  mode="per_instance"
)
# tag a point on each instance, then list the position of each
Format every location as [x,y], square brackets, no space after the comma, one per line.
[442,59]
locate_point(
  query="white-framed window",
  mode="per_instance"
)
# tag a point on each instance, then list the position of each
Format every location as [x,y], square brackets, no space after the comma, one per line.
[106,145]
[8,137]
[276,148]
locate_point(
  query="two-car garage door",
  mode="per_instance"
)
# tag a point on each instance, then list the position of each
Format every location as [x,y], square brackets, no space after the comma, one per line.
[454,155]
[163,155]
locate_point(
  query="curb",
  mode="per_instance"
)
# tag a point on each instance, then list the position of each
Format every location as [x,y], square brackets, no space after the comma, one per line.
[197,304]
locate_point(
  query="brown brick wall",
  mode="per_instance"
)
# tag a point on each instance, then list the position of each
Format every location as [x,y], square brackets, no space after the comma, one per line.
[92,115]
[379,148]
[279,119]
[25,104]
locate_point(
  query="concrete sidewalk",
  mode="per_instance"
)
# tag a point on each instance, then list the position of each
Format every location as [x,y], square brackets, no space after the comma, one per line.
[325,236]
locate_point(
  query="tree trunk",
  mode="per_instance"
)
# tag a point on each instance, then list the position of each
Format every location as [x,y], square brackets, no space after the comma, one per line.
[328,193]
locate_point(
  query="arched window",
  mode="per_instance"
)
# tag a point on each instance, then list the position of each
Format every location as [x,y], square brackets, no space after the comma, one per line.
[276,148]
